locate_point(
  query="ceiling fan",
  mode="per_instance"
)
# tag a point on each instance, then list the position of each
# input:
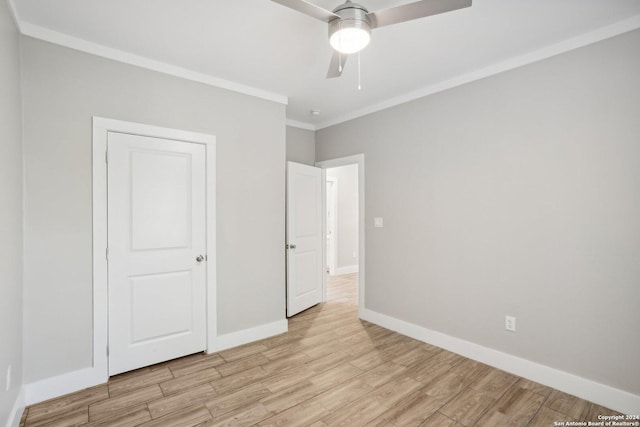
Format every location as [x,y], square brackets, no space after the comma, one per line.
[350,24]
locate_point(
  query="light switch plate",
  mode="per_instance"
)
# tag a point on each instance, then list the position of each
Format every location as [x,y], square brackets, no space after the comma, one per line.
[378,222]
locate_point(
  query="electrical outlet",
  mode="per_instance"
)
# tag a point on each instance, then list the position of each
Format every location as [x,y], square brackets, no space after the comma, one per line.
[510,323]
[8,383]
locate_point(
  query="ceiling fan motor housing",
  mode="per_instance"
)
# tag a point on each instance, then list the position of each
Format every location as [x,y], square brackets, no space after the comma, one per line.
[351,15]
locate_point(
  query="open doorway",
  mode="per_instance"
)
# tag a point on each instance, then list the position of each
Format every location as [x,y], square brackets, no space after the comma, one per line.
[343,181]
[342,233]
[342,219]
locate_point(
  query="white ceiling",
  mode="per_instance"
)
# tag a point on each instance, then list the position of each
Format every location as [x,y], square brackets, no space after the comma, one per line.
[264,45]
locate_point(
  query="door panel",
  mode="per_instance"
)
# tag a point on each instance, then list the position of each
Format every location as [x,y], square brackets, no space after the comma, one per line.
[161,203]
[156,229]
[304,236]
[150,296]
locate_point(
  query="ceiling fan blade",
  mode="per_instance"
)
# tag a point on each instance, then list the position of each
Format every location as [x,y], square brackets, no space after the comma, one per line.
[308,8]
[415,10]
[337,65]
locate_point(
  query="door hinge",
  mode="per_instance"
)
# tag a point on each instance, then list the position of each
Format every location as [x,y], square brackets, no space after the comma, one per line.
[107,350]
[106,157]
[106,254]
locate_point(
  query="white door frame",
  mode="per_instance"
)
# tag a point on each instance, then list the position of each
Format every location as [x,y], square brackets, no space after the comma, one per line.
[357,159]
[101,127]
[333,248]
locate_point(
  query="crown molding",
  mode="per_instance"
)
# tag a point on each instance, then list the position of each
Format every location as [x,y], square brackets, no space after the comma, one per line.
[76,43]
[582,40]
[301,125]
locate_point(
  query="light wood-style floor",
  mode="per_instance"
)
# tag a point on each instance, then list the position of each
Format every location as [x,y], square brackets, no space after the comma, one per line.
[329,369]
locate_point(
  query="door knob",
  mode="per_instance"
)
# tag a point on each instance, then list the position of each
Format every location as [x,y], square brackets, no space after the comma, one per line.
[200,258]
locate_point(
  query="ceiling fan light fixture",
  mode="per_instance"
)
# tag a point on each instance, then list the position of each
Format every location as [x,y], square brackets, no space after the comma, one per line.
[351,32]
[349,40]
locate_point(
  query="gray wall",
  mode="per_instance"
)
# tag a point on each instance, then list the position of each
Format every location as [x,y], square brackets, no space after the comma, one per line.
[62,90]
[10,213]
[517,194]
[301,146]
[347,217]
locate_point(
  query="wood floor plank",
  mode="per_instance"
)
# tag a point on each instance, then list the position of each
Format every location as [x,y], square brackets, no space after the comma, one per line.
[471,369]
[426,373]
[283,350]
[495,383]
[186,417]
[303,414]
[128,417]
[239,365]
[373,404]
[548,417]
[335,376]
[133,383]
[410,411]
[498,419]
[564,403]
[520,404]
[327,361]
[357,413]
[223,403]
[540,389]
[467,407]
[446,386]
[439,420]
[239,380]
[185,382]
[245,416]
[415,355]
[112,406]
[291,396]
[343,394]
[285,362]
[70,418]
[206,362]
[447,358]
[368,360]
[382,374]
[288,378]
[48,411]
[242,351]
[281,339]
[175,402]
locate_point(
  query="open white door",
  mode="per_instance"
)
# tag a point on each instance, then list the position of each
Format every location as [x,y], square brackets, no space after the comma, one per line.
[157,250]
[304,237]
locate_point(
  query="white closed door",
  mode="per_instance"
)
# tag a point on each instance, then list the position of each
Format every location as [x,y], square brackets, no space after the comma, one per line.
[304,237]
[156,250]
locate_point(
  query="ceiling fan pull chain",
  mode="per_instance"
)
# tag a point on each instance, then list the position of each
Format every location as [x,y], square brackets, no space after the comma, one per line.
[359,79]
[340,48]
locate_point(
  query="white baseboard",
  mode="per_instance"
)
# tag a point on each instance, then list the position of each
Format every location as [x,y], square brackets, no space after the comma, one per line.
[592,391]
[60,385]
[245,336]
[16,411]
[346,270]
